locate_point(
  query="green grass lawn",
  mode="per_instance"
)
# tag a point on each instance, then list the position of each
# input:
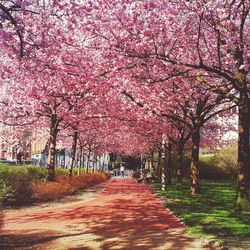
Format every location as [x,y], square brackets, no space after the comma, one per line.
[210,213]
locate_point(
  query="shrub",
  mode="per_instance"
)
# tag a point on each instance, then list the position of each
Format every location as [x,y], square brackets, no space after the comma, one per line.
[136,174]
[227,159]
[6,192]
[47,191]
[26,183]
[64,185]
[108,175]
[15,184]
[61,171]
[21,188]
[65,171]
[221,165]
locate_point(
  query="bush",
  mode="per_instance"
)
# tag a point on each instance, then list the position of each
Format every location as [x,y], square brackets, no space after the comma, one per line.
[47,191]
[108,175]
[5,192]
[65,186]
[221,165]
[65,171]
[21,189]
[36,173]
[15,183]
[1,215]
[136,174]
[61,171]
[26,183]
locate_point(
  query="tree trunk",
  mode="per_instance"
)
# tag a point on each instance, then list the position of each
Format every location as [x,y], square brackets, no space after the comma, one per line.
[180,162]
[83,161]
[195,185]
[154,167]
[164,166]
[151,162]
[88,160]
[52,147]
[159,165]
[80,162]
[73,153]
[141,166]
[64,158]
[242,202]
[169,163]
[94,164]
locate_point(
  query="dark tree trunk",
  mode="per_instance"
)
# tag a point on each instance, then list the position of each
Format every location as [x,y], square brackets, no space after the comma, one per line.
[159,165]
[52,147]
[195,184]
[73,153]
[166,166]
[94,164]
[180,162]
[83,159]
[242,198]
[88,161]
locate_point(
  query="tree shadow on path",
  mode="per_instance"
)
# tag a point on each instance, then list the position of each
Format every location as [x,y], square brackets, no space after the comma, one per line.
[125,216]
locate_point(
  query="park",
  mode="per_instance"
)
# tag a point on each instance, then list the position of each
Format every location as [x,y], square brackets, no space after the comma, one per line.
[125,124]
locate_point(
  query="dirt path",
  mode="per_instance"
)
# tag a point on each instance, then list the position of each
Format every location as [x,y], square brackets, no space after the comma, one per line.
[125,215]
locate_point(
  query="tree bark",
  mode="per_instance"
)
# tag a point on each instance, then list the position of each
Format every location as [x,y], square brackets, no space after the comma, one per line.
[195,184]
[73,153]
[159,165]
[94,164]
[88,160]
[180,162]
[169,163]
[154,167]
[164,173]
[151,162]
[167,166]
[242,202]
[80,161]
[52,147]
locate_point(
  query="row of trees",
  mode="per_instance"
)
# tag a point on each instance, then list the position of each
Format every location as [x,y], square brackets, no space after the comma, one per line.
[157,71]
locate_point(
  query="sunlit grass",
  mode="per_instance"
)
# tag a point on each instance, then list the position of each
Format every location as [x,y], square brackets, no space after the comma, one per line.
[210,213]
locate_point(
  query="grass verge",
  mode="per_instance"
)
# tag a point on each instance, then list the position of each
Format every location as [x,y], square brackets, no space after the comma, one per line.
[209,214]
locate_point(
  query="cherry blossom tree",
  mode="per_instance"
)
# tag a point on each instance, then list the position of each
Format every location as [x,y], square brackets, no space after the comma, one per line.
[155,63]
[207,39]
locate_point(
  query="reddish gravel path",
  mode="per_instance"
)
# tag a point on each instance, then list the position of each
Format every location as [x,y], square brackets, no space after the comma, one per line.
[125,215]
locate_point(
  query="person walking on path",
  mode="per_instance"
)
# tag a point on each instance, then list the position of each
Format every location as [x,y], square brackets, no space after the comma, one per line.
[122,171]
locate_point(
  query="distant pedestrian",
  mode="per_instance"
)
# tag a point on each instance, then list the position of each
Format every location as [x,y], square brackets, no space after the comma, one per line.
[19,155]
[122,171]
